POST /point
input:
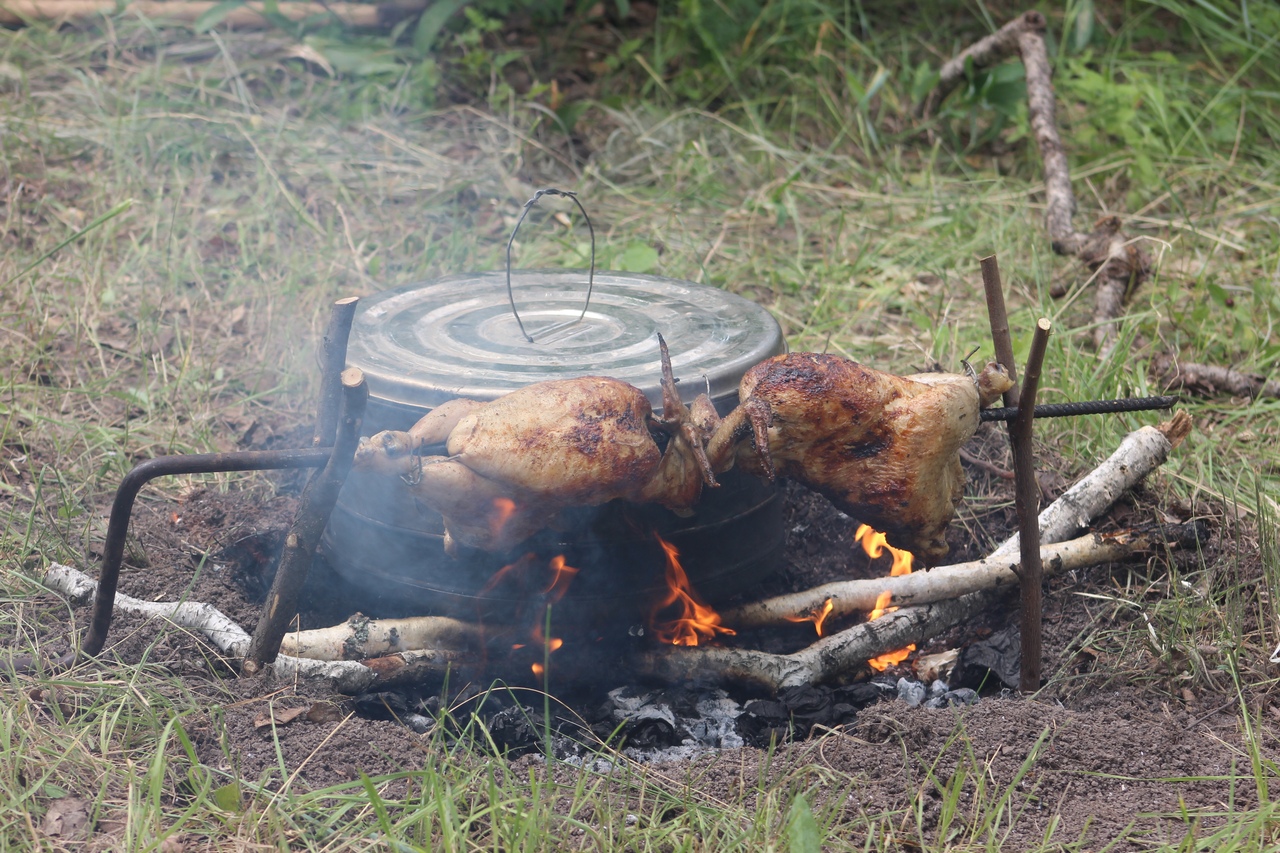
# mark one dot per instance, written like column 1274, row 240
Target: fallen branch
column 233, row 641
column 984, row 53
column 247, row 17
column 1141, row 452
column 943, row 582
column 361, row 637
column 1117, row 263
column 1210, row 379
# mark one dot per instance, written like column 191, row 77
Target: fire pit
column 621, row 558
column 422, row 345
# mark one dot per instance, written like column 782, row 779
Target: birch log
column 233, row 641
column 845, row 651
column 361, row 637
column 1141, row 452
column 822, row 661
column 937, row 584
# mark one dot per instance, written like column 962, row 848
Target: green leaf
column 1219, row 295
column 432, row 22
column 1082, row 33
column 803, row 833
column 227, row 797
column 637, row 257
column 215, row 15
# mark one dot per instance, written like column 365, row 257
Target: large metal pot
column 423, row 344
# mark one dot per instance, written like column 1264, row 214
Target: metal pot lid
column 429, row 342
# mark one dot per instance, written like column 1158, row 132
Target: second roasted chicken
column 882, row 448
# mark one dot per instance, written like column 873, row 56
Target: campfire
column 544, row 493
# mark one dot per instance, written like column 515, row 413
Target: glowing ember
column 874, row 543
column 696, row 621
column 538, row 669
column 817, row 616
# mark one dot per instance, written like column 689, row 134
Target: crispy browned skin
column 882, row 448
column 517, row 462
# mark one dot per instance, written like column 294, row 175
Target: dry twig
column 1117, row 263
column 1210, row 379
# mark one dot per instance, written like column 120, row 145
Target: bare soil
column 1088, row 752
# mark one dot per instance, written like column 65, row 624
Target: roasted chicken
column 514, row 464
column 882, row 448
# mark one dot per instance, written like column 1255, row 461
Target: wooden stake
column 1027, row 500
column 999, row 320
column 333, row 360
column 317, row 504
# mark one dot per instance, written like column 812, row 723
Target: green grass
column 179, row 210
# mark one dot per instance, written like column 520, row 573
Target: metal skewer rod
column 1085, row 407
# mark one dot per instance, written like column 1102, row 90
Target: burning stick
column 1118, row 264
column 847, row 598
column 960, row 594
column 233, row 641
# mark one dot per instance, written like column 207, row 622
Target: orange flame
column 874, row 543
column 696, row 621
column 503, row 509
column 817, row 616
column 561, row 576
column 518, row 567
